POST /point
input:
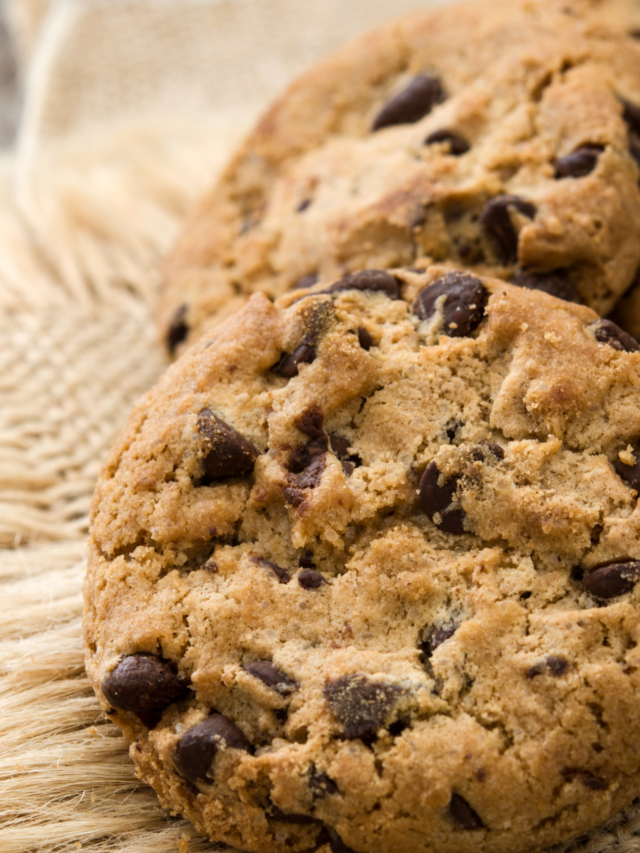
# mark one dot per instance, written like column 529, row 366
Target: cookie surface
column 498, row 135
column 364, row 571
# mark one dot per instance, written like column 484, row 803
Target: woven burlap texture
column 130, row 110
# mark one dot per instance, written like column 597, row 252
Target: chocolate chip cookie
column 502, row 136
column 364, row 570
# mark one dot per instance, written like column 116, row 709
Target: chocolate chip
column 311, row 422
column 304, row 204
column 306, row 281
column 608, row 333
column 462, row 307
column 496, row 224
column 457, row 144
column 279, row 572
column 579, row 163
column 556, row 666
column 462, row 814
column 480, row 453
column 271, row 676
column 412, row 103
column 305, row 561
column 178, row 329
column 293, row 496
column 288, row 364
column 585, row 777
column 198, row 747
column 634, row 147
column 435, row 499
column 377, row 281
column 630, row 473
column 555, row 283
column 228, row 453
column 340, row 445
column 631, row 115
column 437, row 637
column 311, row 579
column 613, row 579
column 359, row 705
column 145, row 685
column 364, row 339
column 301, row 457
column 321, row 785
column 312, row 474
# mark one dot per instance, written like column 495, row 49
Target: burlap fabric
column 130, row 109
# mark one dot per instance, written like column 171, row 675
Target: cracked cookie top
column 364, row 570
column 503, row 136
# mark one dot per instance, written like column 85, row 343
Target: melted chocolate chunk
column 630, row 473
column 613, row 579
column 457, row 144
column 228, row 453
column 178, row 329
column 579, row 163
column 271, row 676
column 364, row 339
column 411, row 104
column 311, row 422
column 437, row 637
column 608, row 333
column 435, row 499
column 496, row 224
column 312, row 474
column 556, row 666
column 145, row 685
column 462, row 306
column 311, row 579
column 293, row 496
column 555, row 283
column 321, row 785
column 279, row 572
column 462, row 814
column 197, row 748
column 359, row 705
column 340, row 446
column 288, row 364
column 377, row 281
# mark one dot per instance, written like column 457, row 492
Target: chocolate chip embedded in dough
column 630, row 473
column 377, row 281
column 364, row 339
column 178, row 329
column 271, row 676
column 360, row 706
column 496, row 224
column 321, row 785
column 457, row 144
column 607, row 332
column 311, row 476
column 462, row 297
column 555, row 665
column 437, row 637
column 278, row 571
column 412, row 103
column 289, row 363
column 555, row 283
column 145, row 685
column 480, row 453
column 311, row 422
column 306, row 281
column 228, row 453
column 306, row 561
column 311, row 579
column 613, row 579
column 435, row 499
column 462, row 814
column 579, row 163
column 197, row 748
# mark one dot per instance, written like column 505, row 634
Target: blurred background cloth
column 129, row 108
